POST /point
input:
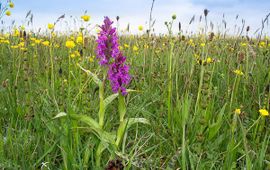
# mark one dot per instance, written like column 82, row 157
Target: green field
column 195, row 101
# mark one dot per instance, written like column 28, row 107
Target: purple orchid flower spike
column 108, row 46
column 107, row 50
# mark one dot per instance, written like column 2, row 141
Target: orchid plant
column 116, row 71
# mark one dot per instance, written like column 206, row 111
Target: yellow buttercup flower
column 50, row 26
column 243, row 44
column 191, row 43
column 238, row 72
column 126, row 45
column 16, row 33
column 79, row 40
column 5, row 41
column 262, row 44
column 86, row 18
column 37, row 41
column 8, row 13
column 23, row 49
column 202, row 44
column 237, row 111
column 14, row 46
column 70, row 44
column 46, row 43
column 135, row 48
column 264, row 112
column 72, row 55
column 146, row 46
column 209, row 60
column 21, row 44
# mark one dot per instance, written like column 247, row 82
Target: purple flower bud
column 107, row 50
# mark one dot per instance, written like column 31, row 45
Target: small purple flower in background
column 118, row 74
column 107, row 43
column 108, row 49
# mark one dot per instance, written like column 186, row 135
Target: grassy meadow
column 195, row 101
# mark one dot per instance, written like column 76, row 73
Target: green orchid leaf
column 111, row 98
column 61, row 114
column 93, row 75
column 103, row 135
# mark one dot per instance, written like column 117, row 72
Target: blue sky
column 136, row 12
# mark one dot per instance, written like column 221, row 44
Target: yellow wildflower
column 238, row 72
column 70, row 44
column 243, row 44
column 50, row 26
column 16, row 33
column 202, row 44
column 37, row 41
column 14, row 46
column 262, row 44
column 237, row 111
column 6, row 42
column 209, row 60
column 86, row 18
column 8, row 13
column 21, row 44
column 264, row 112
column 46, row 43
column 135, row 48
column 79, row 40
column 23, row 49
column 191, row 43
column 126, row 45
column 72, row 55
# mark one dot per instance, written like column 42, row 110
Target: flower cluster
column 107, row 43
column 108, row 49
column 118, row 74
